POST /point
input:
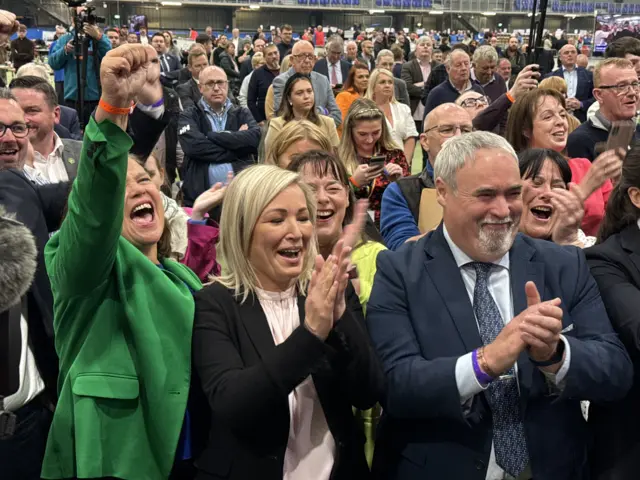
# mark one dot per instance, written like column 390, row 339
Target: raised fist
column 126, row 71
column 8, row 23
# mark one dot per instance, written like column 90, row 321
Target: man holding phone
column 617, row 91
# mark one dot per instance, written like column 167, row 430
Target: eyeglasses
column 621, row 89
column 474, row 102
column 304, row 56
column 450, row 130
column 215, row 83
column 20, row 130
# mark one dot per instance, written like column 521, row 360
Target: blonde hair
column 258, row 57
column 554, row 83
column 285, row 64
column 373, row 80
column 33, row 69
column 362, row 109
column 246, row 198
column 294, row 132
column 609, row 62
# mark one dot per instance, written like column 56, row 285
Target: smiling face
column 483, row 214
column 332, row 199
column 38, row 114
column 617, row 106
column 550, row 125
column 538, row 215
column 281, row 239
column 13, row 150
column 143, row 221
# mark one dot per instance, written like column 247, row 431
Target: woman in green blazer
column 123, row 312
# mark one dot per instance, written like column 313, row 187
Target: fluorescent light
column 529, row 14
column 171, row 4
column 373, row 12
column 436, row 12
column 116, row 16
column 254, row 7
column 570, row 16
column 488, row 14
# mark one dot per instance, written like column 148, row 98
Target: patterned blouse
column 376, row 188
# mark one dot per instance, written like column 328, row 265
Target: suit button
column 480, row 465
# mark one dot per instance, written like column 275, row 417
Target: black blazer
column 247, row 380
column 189, row 93
column 615, row 264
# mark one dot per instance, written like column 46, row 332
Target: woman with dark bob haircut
column 552, row 206
column 615, row 264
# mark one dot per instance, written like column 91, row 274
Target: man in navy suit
column 168, row 62
column 333, row 67
column 579, row 82
column 488, row 339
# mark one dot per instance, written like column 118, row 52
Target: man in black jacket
column 188, row 91
column 216, row 136
column 22, row 49
column 260, row 82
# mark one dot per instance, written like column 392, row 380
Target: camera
column 87, row 16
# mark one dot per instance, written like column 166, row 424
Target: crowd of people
column 237, row 275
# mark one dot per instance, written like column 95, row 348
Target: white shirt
column 52, row 167
column 500, row 290
column 403, row 124
column 571, row 77
column 338, row 70
column 31, row 383
column 244, row 90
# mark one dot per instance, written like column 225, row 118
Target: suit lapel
column 255, row 323
column 524, row 268
column 630, row 240
column 440, row 265
column 69, row 161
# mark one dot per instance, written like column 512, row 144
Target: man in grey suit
column 54, row 159
column 302, row 61
column 385, row 60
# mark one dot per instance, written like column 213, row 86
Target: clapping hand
column 568, row 206
column 321, row 296
column 607, row 165
column 210, row 199
column 541, row 331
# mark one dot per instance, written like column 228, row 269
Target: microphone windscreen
column 18, row 260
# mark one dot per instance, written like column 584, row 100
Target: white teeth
column 543, row 208
column 141, row 207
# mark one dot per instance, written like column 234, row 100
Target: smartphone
column 377, row 161
column 620, row 135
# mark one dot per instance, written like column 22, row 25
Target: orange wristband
column 510, row 97
column 353, row 182
column 113, row 110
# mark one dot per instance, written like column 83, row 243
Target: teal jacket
column 58, row 60
column 122, row 331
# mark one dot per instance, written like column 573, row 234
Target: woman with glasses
column 473, row 102
column 538, row 119
column 298, row 103
column 371, row 157
column 354, row 87
column 398, row 117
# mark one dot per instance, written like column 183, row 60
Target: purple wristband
column 157, row 104
column 482, row 377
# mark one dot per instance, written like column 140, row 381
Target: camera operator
column 63, row 55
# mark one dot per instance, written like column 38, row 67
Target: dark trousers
column 89, row 107
column 60, row 91
column 21, row 454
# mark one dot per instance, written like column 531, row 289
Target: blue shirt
column 217, row 171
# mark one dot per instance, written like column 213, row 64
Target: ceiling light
column 436, row 12
column 254, row 7
column 488, row 14
column 373, row 12
column 171, row 4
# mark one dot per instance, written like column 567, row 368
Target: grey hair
column 485, row 52
column 424, row 39
column 6, row 94
column 455, row 51
column 459, row 151
column 383, row 53
column 335, row 40
column 33, row 69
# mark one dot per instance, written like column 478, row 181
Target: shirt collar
column 469, row 86
column 463, row 259
column 58, row 148
column 207, row 108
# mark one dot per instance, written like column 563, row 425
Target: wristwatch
column 555, row 358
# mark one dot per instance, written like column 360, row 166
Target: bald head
column 303, row 57
column 568, row 56
column 441, row 117
column 214, row 87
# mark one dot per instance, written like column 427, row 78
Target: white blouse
column 404, row 125
column 311, row 447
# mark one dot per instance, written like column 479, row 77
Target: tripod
column 536, row 31
column 81, row 51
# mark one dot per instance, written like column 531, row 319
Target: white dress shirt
column 52, row 167
column 500, row 290
column 31, row 383
column 403, row 125
column 571, row 77
column 338, row 71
